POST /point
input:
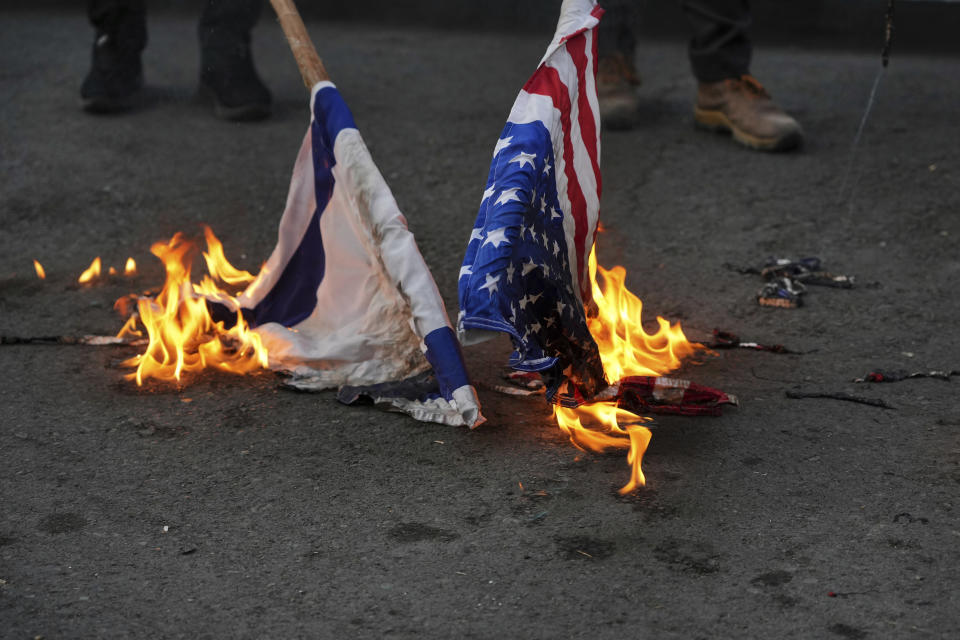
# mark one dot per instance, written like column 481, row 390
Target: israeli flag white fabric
column 525, row 272
column 346, row 300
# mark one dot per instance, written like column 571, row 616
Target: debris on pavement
column 781, row 292
column 509, row 390
column 520, row 383
column 839, row 395
column 91, row 341
column 643, row 394
column 806, row 271
column 729, row 340
column 787, row 280
column 526, row 379
column 896, row 375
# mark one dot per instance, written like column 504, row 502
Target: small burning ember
column 182, row 336
column 93, row 271
column 626, row 349
column 39, row 269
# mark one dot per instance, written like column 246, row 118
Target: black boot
column 116, row 76
column 226, row 63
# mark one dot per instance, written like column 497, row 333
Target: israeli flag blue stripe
column 444, row 355
column 294, row 296
column 331, row 115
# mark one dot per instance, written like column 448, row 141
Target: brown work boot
column 743, row 107
column 617, row 83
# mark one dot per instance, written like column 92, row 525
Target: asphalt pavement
column 233, row 508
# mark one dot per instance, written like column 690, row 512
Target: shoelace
column 750, row 84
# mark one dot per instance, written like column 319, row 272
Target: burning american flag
column 525, row 271
column 530, row 268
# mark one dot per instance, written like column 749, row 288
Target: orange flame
column 182, row 335
column 130, row 269
column 622, row 430
column 93, row 271
column 626, row 349
column 217, row 264
column 39, row 269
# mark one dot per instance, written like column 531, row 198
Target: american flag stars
column 508, row 195
column 528, row 267
column 523, row 159
column 497, row 237
column 519, row 270
column 490, row 284
column 502, row 144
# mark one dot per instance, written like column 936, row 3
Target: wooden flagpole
column 311, row 67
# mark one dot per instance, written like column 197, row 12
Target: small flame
column 217, row 264
column 112, row 271
column 622, row 430
column 93, row 271
column 182, row 335
column 39, row 269
column 626, row 349
column 130, row 269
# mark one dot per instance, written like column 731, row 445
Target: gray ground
column 292, row 516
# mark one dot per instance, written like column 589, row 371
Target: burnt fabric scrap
column 657, row 394
column 646, row 394
column 896, row 375
column 781, row 292
column 728, row 340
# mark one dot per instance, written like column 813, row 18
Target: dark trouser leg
column 719, row 46
column 615, row 32
column 226, row 62
column 617, row 78
column 123, row 21
column 115, row 75
column 225, row 27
